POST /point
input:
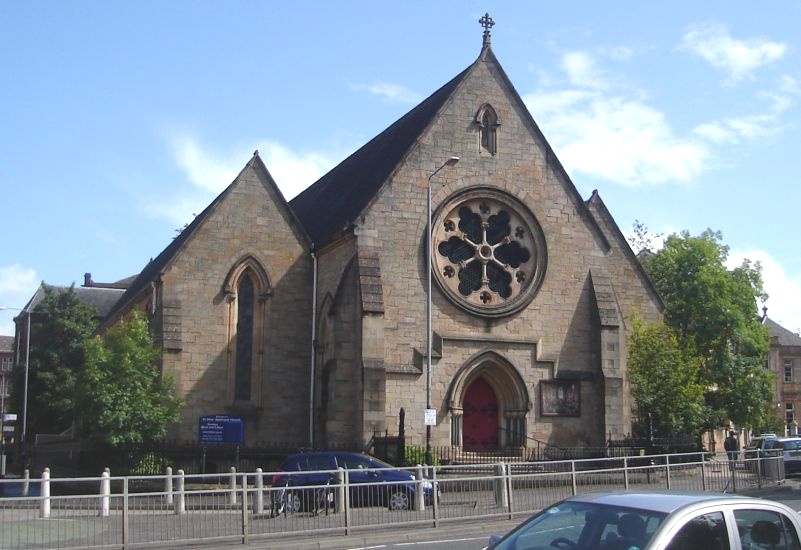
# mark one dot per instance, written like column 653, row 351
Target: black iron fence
column 75, row 458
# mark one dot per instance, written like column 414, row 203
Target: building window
column 7, row 364
column 789, row 413
column 488, row 122
column 489, row 252
column 788, row 371
column 244, row 339
column 456, row 430
column 247, row 289
column 515, row 431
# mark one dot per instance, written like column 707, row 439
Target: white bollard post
column 26, row 482
column 419, row 493
column 501, row 494
column 168, row 486
column 258, row 496
column 44, row 504
column 232, row 487
column 339, row 501
column 180, row 495
column 105, row 492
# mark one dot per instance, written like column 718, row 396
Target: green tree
column 641, row 239
column 59, row 325
column 125, row 399
column 713, row 312
column 664, row 380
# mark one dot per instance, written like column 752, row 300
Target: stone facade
column 338, row 325
column 784, row 361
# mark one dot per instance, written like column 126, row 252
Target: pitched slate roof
column 783, row 336
column 103, row 299
column 334, row 201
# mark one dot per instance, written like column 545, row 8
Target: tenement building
column 784, row 361
column 308, row 318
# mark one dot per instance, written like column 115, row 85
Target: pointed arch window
column 488, row 123
column 247, row 289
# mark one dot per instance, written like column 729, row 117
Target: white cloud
column 784, row 289
column 582, row 71
column 738, row 58
column 732, row 129
column 394, row 93
column 17, row 285
column 602, row 126
column 618, row 53
column 614, row 136
column 208, row 170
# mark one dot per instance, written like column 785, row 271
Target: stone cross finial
column 487, row 23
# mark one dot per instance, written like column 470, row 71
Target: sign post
column 220, row 429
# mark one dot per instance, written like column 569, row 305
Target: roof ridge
column 339, row 197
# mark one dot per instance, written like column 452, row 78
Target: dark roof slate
column 103, row 299
column 337, row 199
column 784, row 337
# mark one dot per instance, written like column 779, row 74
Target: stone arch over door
column 489, row 393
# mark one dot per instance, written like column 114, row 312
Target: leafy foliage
column 59, row 325
column 712, row 311
column 642, row 240
column 124, row 399
column 416, row 454
column 664, row 380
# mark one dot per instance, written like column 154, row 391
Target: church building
column 317, row 320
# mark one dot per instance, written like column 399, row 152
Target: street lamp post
column 27, row 362
column 429, row 229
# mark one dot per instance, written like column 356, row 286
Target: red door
column 480, row 417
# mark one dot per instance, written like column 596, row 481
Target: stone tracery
column 488, row 252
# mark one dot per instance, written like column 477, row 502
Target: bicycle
column 291, row 501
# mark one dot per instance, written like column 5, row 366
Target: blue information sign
column 219, row 429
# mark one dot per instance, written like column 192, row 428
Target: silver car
column 657, row 520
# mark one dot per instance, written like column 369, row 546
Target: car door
column 766, row 529
column 366, row 482
column 320, row 468
column 705, row 531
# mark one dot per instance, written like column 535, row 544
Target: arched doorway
column 488, row 404
column 480, row 416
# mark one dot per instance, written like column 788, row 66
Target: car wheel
column 294, row 502
column 399, row 499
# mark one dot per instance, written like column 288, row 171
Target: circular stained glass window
column 488, row 252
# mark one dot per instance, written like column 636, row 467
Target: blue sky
column 119, row 121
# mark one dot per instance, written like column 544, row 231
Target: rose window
column 488, row 252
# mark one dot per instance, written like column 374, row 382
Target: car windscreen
column 354, row 462
column 584, row 525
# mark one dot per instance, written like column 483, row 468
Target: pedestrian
column 732, row 446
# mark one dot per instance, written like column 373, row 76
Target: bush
column 416, row 454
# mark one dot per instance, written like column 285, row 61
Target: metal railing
column 142, row 511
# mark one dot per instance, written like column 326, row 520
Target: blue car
column 372, row 482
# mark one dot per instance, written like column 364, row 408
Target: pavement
column 375, row 537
